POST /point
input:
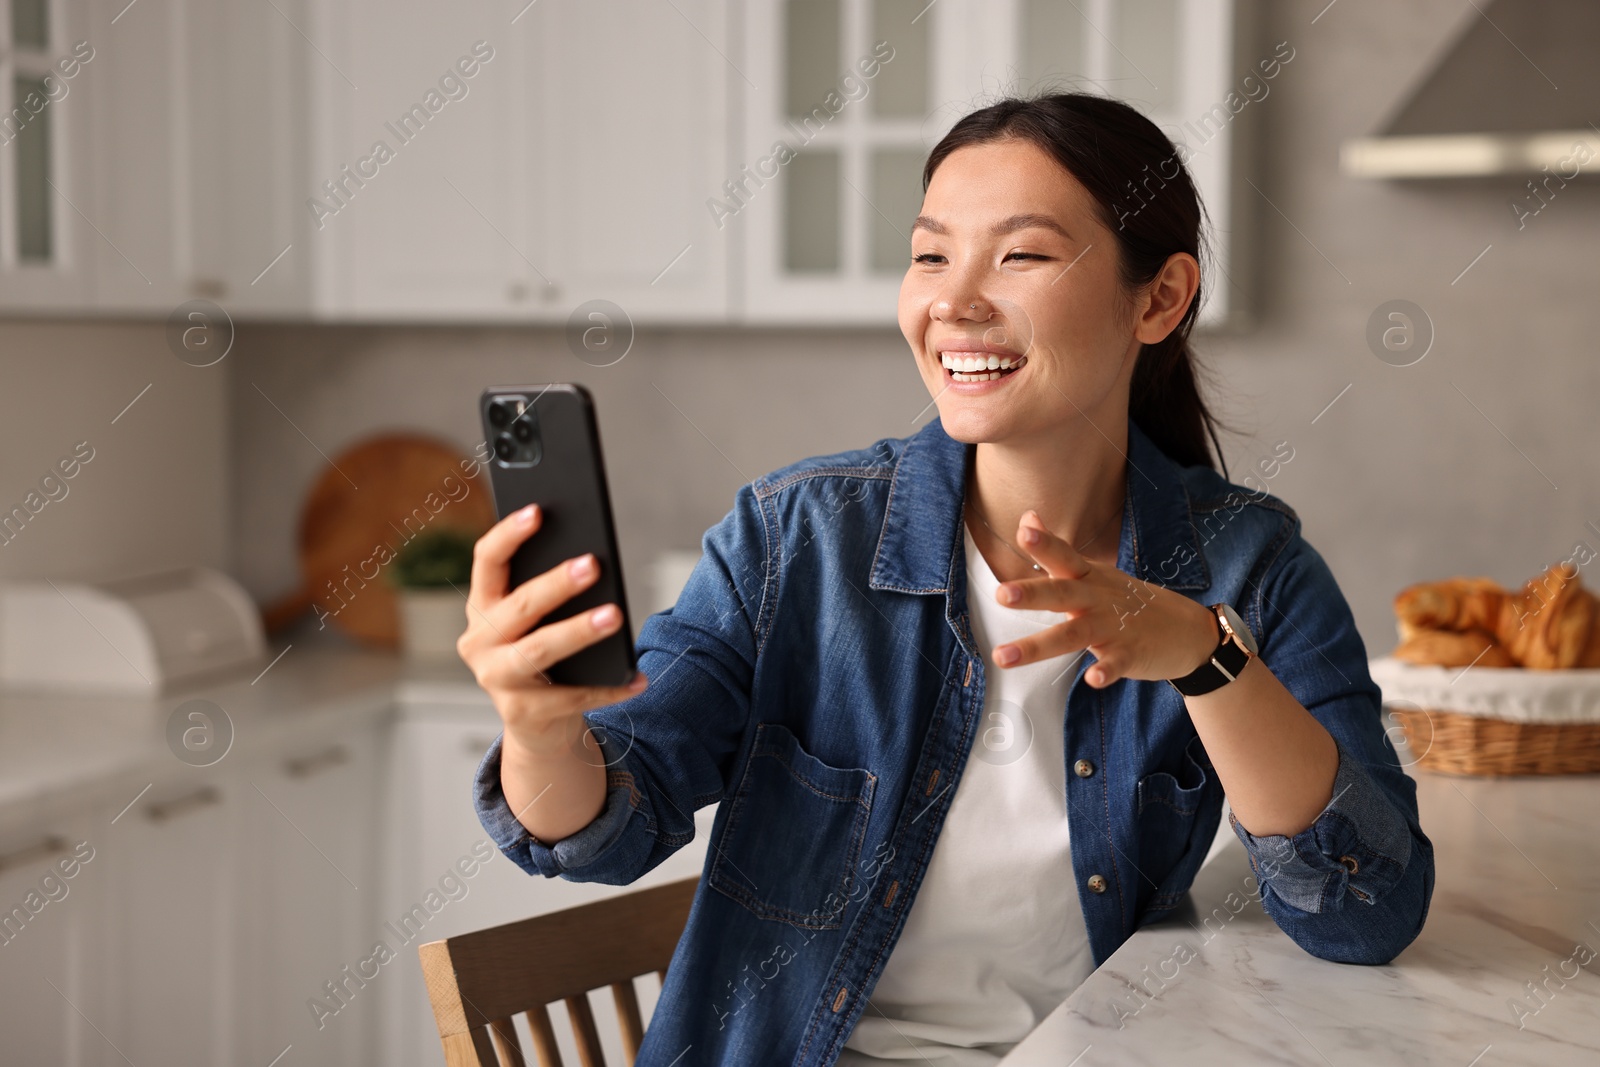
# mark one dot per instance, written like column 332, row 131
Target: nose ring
column 973, row 306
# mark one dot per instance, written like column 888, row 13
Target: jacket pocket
column 1169, row 816
column 794, row 832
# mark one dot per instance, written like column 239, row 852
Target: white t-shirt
column 995, row 939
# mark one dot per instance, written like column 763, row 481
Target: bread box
column 146, row 634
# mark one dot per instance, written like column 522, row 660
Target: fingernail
column 525, row 516
column 605, row 616
column 582, row 567
column 1006, row 655
column 1009, row 594
column 1029, row 535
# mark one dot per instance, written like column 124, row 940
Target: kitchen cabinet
column 139, row 160
column 49, row 896
column 698, row 161
column 858, row 91
column 470, row 161
column 97, row 165
column 229, row 914
column 46, row 258
column 310, row 874
column 168, row 938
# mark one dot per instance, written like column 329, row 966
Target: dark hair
column 1148, row 201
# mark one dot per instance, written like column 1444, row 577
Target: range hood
column 1516, row 92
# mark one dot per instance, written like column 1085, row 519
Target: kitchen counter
column 1516, row 901
column 60, row 750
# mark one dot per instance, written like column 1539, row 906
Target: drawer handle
column 203, row 797
column 306, row 766
column 44, row 848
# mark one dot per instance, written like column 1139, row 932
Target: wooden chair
column 480, row 980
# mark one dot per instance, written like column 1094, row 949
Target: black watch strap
column 1223, row 666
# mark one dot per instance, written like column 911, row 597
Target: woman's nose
column 952, row 309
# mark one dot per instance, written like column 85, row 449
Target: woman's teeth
column 979, row 366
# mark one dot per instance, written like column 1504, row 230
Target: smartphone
column 544, row 444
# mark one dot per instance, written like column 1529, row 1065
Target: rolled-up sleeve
column 1355, row 885
column 669, row 750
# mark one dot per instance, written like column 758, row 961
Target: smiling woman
column 972, row 732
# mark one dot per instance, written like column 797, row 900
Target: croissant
column 1446, row 648
column 1453, row 604
column 1551, row 622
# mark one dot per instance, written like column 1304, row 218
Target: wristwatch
column 1235, row 645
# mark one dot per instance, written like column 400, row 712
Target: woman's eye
column 934, row 257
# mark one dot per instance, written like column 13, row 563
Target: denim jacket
column 818, row 677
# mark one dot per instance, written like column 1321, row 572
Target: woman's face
column 1006, row 227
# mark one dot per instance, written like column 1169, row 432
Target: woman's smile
column 977, row 366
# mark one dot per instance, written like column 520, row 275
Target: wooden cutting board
column 377, row 495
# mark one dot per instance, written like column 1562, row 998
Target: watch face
column 1245, row 636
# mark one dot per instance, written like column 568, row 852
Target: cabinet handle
column 203, row 797
column 477, row 746
column 306, row 766
column 44, row 848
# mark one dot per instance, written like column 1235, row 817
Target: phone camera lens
column 500, row 414
column 505, row 447
column 523, row 430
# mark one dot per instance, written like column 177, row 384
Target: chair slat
column 470, row 1049
column 506, row 1042
column 628, row 1016
column 544, row 1037
column 590, row 1053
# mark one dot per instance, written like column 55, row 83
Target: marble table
column 1506, row 970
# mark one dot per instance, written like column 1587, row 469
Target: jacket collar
column 920, row 544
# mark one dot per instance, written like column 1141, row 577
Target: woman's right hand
column 545, row 745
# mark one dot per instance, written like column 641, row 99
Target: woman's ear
column 1168, row 296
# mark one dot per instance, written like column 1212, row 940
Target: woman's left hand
column 1135, row 629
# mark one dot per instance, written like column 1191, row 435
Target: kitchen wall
column 153, row 490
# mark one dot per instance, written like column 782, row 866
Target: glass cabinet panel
column 811, row 212
column 29, row 22
column 900, row 89
column 812, row 31
column 32, row 148
column 1051, row 45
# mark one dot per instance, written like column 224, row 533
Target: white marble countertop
column 1517, row 891
column 65, row 750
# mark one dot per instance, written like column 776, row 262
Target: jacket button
column 1083, row 768
column 1097, row 884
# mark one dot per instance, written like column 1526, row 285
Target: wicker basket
column 1505, row 721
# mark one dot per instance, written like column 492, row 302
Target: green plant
column 434, row 559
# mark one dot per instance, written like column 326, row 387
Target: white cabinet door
column 418, row 195
column 140, row 208
column 169, row 955
column 436, row 752
column 309, row 876
column 635, row 146
column 249, row 110
column 48, row 901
